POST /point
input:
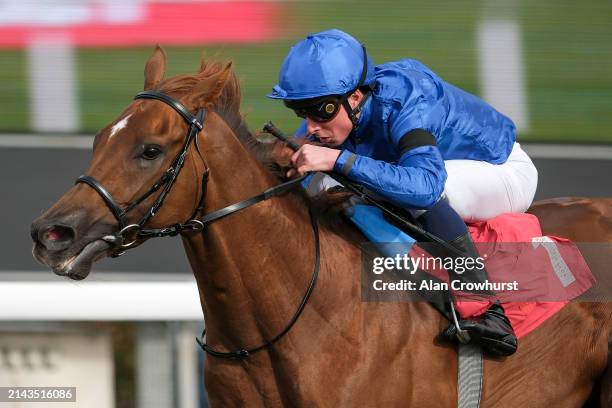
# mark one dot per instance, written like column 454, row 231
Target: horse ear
column 210, row 90
column 155, row 68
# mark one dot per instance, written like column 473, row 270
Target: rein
column 245, row 352
column 118, row 241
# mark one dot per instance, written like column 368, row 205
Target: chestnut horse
column 253, row 267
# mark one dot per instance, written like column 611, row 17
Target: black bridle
column 167, row 180
column 196, row 123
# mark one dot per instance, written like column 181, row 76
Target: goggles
column 321, row 109
column 325, row 108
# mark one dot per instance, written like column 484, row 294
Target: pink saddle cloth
column 548, row 271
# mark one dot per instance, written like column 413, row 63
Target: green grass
column 14, row 102
column 567, row 51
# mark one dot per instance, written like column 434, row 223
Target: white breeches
column 478, row 190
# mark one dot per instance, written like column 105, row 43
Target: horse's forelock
column 225, row 103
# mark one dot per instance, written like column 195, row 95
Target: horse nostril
column 56, row 237
column 59, row 234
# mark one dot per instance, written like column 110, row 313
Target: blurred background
column 553, row 57
column 69, row 67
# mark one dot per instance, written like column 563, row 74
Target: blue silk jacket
column 393, row 152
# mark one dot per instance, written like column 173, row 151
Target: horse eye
column 151, row 152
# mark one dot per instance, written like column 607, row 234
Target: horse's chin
column 77, row 266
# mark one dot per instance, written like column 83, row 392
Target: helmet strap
column 352, row 113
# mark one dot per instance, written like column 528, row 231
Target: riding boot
column 492, row 329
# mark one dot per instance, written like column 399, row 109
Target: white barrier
column 166, row 307
column 119, row 300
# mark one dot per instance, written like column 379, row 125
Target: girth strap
column 469, row 376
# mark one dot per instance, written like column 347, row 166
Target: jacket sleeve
column 416, row 181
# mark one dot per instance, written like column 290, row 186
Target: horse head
column 136, row 167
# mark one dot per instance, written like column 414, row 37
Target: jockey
column 405, row 134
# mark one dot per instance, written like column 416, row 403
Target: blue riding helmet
column 327, row 63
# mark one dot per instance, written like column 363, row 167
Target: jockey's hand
column 313, row 158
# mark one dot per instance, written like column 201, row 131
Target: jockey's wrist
column 333, row 157
column 344, row 162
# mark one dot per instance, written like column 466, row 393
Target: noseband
column 118, row 241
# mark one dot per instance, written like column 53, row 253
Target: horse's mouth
column 76, row 266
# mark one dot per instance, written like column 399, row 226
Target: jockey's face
column 335, row 132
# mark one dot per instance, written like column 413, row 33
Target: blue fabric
column 306, row 182
column 416, row 181
column 325, row 63
column 444, row 222
column 409, row 96
column 301, row 130
column 372, row 223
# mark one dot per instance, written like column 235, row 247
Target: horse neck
column 253, row 266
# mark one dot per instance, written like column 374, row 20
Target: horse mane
column 226, row 103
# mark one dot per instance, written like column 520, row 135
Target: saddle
column 549, row 271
